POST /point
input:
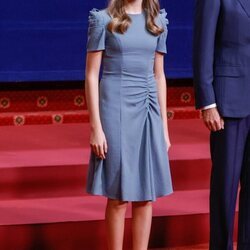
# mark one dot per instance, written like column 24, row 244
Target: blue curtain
column 44, row 40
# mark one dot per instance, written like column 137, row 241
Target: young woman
column 128, row 118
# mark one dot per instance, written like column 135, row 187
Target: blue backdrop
column 44, row 40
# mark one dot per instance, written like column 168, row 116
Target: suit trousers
column 230, row 153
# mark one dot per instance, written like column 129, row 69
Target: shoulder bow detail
column 163, row 17
column 161, row 44
column 95, row 18
column 96, row 31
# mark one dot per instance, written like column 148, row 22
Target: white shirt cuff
column 209, row 106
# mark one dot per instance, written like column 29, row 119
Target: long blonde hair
column 121, row 20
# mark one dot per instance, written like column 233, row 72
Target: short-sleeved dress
column 136, row 167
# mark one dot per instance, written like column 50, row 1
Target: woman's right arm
column 98, row 141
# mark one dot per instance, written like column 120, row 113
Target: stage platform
column 43, row 200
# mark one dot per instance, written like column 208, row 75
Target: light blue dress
column 136, row 167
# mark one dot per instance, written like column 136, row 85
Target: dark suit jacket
column 221, row 55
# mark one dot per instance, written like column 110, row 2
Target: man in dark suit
column 222, row 87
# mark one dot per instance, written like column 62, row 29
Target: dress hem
column 129, row 200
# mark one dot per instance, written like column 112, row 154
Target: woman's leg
column 141, row 224
column 115, row 219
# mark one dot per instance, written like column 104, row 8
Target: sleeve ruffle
column 162, row 39
column 96, row 31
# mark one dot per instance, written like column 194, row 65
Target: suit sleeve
column 205, row 26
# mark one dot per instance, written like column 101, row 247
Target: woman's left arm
column 162, row 92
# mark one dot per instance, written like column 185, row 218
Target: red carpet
column 69, row 106
column 52, row 160
column 43, row 203
column 73, row 99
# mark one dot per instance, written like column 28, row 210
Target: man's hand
column 212, row 119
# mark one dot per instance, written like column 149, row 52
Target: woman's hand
column 98, row 143
column 97, row 138
column 167, row 143
column 167, row 140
